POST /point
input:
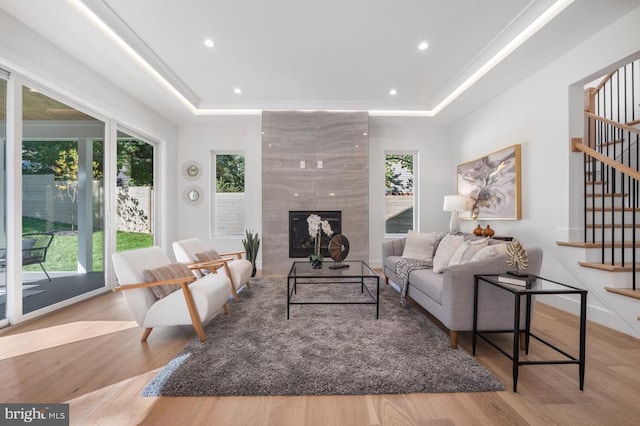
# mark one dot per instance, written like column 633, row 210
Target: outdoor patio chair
column 201, row 259
column 34, row 249
column 141, row 277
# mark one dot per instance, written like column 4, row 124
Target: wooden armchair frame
column 184, row 285
column 213, row 266
column 237, row 254
column 236, row 268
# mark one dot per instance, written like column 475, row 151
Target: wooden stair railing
column 611, row 150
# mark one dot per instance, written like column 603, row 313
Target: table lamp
column 454, row 204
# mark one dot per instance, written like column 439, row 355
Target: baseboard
column 594, row 314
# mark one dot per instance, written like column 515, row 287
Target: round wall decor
column 192, row 195
column 191, row 170
column 338, row 247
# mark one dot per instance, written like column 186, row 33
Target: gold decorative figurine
column 517, row 256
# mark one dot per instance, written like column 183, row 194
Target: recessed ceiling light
column 209, row 43
column 423, row 45
column 393, row 92
column 364, row 134
column 237, row 90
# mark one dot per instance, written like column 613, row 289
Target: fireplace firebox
column 300, row 242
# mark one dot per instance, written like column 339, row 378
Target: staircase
column 610, row 148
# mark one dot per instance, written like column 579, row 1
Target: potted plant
column 316, row 227
column 251, row 245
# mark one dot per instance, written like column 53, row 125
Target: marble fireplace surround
column 313, row 161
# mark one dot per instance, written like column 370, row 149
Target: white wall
column 536, row 114
column 240, row 134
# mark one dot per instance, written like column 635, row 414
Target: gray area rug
column 321, row 350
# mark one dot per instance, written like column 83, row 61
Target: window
column 399, row 192
column 135, row 216
column 228, row 194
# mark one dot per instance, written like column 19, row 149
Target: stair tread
column 617, row 225
column 624, row 291
column 608, row 267
column 608, row 194
column 589, row 245
column 609, row 209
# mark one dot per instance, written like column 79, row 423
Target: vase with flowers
column 316, row 227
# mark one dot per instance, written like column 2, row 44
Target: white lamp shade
column 453, row 203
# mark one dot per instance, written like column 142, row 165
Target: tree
column 43, row 157
column 398, row 173
column 39, row 157
column 66, row 178
column 229, row 173
column 136, row 157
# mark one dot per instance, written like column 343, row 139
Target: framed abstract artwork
column 492, row 184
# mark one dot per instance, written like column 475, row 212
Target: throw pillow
column 467, row 250
column 206, row 256
column 493, row 250
column 446, row 249
column 419, row 245
column 167, row 272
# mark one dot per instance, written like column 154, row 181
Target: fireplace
column 300, row 242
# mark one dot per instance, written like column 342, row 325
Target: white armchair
column 235, row 267
column 196, row 302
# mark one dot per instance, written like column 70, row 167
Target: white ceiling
column 295, row 54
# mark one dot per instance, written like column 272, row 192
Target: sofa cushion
column 467, row 250
column 391, row 262
column 490, row 251
column 167, row 272
column 426, row 282
column 446, row 249
column 419, row 245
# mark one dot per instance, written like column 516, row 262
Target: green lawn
column 63, row 253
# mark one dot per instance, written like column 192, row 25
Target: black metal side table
column 536, row 285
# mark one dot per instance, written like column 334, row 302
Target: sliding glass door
column 62, row 201
column 59, row 158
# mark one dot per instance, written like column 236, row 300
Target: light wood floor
column 90, row 356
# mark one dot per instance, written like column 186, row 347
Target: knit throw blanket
column 403, row 269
